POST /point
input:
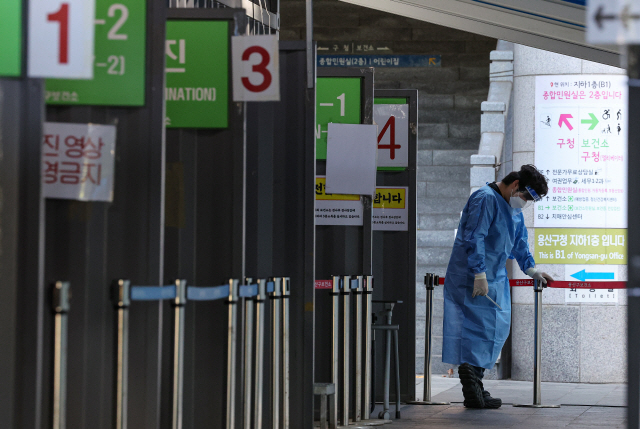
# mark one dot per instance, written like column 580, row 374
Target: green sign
column 581, row 246
column 337, row 101
column 197, row 74
column 119, row 63
column 389, row 100
column 11, row 36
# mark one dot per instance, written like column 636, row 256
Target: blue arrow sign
column 584, row 276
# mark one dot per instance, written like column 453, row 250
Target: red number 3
column 258, row 68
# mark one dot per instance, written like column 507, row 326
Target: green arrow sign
column 593, row 121
column 11, row 36
column 197, row 74
column 338, row 101
column 119, row 63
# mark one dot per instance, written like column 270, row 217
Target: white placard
column 393, row 134
column 581, row 146
column 256, row 68
column 390, row 209
column 61, row 38
column 332, row 212
column 351, row 159
column 78, row 161
column 613, row 22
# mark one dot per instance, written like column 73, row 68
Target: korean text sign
column 581, row 246
column 119, row 62
column 581, row 146
column 78, row 161
column 390, row 209
column 61, row 38
column 256, row 65
column 197, row 74
column 11, row 36
column 338, row 101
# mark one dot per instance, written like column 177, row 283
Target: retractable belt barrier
column 60, row 301
column 558, row 284
column 253, row 297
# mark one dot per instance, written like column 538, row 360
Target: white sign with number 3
column 61, row 38
column 256, row 68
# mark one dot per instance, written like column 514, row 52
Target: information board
column 580, row 246
column 119, row 61
column 197, row 74
column 336, row 209
column 338, row 100
column 11, row 36
column 581, row 146
column 390, row 209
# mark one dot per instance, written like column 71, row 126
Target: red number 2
column 62, row 16
column 258, row 68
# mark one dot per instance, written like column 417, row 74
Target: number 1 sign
column 256, row 74
column 61, row 38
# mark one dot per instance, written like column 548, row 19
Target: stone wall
column 449, row 118
column 583, row 342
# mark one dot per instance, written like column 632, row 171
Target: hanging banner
column 390, row 209
column 256, row 68
column 393, row 134
column 11, row 36
column 78, row 161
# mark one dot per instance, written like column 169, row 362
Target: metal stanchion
column 178, row 353
column 248, row 358
column 430, row 281
column 335, row 347
column 231, row 353
column 276, row 313
column 537, row 349
column 122, row 302
column 358, row 390
column 259, row 373
column 346, row 345
column 61, row 297
column 286, row 291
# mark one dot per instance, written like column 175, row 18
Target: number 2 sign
column 61, row 38
column 256, row 74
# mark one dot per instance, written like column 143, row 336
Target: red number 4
column 258, row 68
column 62, row 16
column 392, row 146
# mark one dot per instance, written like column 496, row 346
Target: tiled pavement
column 584, row 406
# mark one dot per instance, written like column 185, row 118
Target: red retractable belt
column 565, row 285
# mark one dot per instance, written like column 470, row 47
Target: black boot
column 471, row 388
column 490, row 402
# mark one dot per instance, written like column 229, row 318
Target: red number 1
column 62, row 16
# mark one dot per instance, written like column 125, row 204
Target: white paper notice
column 393, row 134
column 581, row 146
column 351, row 159
column 78, row 161
column 335, row 209
column 390, row 209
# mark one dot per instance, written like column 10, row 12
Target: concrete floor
column 584, row 406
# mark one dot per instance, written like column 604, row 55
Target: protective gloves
column 538, row 275
column 480, row 285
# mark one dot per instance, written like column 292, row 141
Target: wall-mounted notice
column 78, row 161
column 593, row 273
column 256, row 68
column 581, row 246
column 393, row 134
column 336, row 209
column 197, row 74
column 11, row 36
column 119, row 62
column 390, row 209
column 581, row 146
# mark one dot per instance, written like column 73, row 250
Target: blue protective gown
column 490, row 231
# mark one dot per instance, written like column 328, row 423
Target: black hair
column 530, row 176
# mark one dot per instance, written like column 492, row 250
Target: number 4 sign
column 61, row 38
column 393, row 134
column 256, row 75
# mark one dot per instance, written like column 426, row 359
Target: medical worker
column 491, row 230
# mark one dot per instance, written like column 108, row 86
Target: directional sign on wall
column 256, row 75
column 11, row 36
column 61, row 38
column 119, row 62
column 613, row 22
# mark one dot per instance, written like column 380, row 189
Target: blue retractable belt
column 152, row 293
column 354, row 283
column 270, row 287
column 248, row 291
column 210, row 293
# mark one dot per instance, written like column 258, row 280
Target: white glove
column 480, row 285
column 538, row 275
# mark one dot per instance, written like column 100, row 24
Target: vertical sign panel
column 197, row 74
column 11, row 36
column 61, row 38
column 393, row 134
column 256, row 68
column 119, row 62
column 338, row 100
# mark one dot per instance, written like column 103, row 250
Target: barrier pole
column 537, row 352
column 275, row 351
column 259, row 374
column 178, row 353
column 346, row 345
column 430, row 281
column 335, row 348
column 248, row 357
column 367, row 291
column 61, row 297
column 286, row 292
column 358, row 390
column 122, row 300
column 231, row 353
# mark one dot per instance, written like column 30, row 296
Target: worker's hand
column 480, row 285
column 539, row 275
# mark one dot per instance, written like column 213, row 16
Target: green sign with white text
column 11, row 36
column 197, row 74
column 119, row 63
column 337, row 101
